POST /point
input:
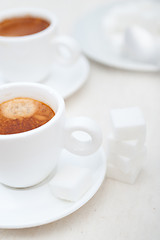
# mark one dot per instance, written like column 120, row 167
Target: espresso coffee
column 22, row 26
column 23, row 114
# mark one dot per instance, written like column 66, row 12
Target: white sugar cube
column 125, row 148
column 115, row 173
column 122, row 163
column 128, row 124
column 71, row 182
column 125, row 164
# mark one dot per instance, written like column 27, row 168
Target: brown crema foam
column 23, row 114
column 22, row 26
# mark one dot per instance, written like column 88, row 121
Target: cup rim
column 39, row 12
column 42, row 128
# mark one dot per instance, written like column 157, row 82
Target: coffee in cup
column 22, row 26
column 23, row 114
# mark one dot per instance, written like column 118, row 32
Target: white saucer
column 67, row 79
column 37, row 206
column 90, row 35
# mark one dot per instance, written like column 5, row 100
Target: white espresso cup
column 27, row 158
column 31, row 57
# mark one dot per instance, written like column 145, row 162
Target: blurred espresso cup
column 30, row 45
column 34, row 131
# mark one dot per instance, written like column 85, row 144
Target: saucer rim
column 116, row 62
column 84, row 64
column 83, row 80
column 75, row 206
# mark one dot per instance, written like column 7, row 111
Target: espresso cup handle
column 66, row 50
column 89, row 129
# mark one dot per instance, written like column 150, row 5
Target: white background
column 118, row 211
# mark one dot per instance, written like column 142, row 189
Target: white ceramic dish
column 89, row 33
column 67, row 79
column 37, row 206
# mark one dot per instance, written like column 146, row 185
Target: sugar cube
column 128, row 123
column 115, row 173
column 125, row 148
column 125, row 164
column 71, row 182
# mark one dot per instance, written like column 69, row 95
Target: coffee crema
column 22, row 26
column 19, row 115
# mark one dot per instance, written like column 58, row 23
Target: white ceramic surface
column 89, row 33
column 30, row 57
column 67, row 79
column 27, row 158
column 37, row 206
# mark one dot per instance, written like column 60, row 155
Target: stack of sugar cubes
column 126, row 148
